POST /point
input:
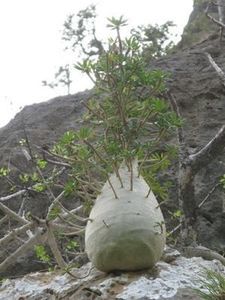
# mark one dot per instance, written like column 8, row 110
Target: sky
column 32, row 49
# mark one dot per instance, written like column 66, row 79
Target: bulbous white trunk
column 127, row 233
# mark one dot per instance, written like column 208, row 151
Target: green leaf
column 55, row 211
column 70, row 187
column 85, row 133
column 42, row 163
column 39, row 187
column 24, row 177
column 34, row 177
column 42, row 254
column 72, row 245
column 4, row 172
column 115, row 23
column 68, row 137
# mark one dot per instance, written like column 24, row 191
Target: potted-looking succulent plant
column 126, row 228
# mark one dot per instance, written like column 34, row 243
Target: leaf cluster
column 212, row 286
column 127, row 117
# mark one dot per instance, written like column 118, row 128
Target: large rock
column 172, row 281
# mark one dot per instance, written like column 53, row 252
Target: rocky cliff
column 199, row 27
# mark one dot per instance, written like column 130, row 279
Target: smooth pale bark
column 127, row 233
column 221, row 10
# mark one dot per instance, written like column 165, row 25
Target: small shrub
column 213, row 286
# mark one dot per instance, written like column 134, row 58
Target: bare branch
column 47, row 151
column 22, row 249
column 54, row 248
column 22, row 207
column 217, row 22
column 5, row 218
column 208, row 195
column 58, row 163
column 10, row 236
column 218, row 70
column 71, row 223
column 19, row 193
column 176, row 109
column 74, row 233
column 54, row 203
column 208, row 153
column 12, row 214
column 72, row 213
column 66, row 229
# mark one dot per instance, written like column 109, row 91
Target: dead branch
column 217, row 22
column 54, row 247
column 12, row 214
column 75, row 233
column 66, row 228
column 71, row 214
column 54, row 203
column 10, row 236
column 176, row 109
column 39, row 235
column 22, row 206
column 70, row 223
column 19, row 193
column 218, row 70
column 209, row 195
column 208, row 153
column 58, row 163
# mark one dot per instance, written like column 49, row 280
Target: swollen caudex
column 127, row 232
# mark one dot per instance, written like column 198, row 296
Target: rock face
column 199, row 27
column 173, row 281
column 201, row 99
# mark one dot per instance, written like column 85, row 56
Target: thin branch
column 149, row 191
column 54, row 247
column 5, row 218
column 19, row 193
column 64, row 228
column 74, row 233
column 214, row 148
column 176, row 109
column 208, row 195
column 58, row 163
column 217, row 22
column 55, row 202
column 45, row 182
column 131, row 175
column 73, row 212
column 47, row 151
column 71, row 223
column 110, row 183
column 10, row 236
column 12, row 214
column 70, row 214
column 218, row 70
column 22, row 249
column 22, row 206
column 174, row 229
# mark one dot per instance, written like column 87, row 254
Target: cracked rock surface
column 174, row 281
